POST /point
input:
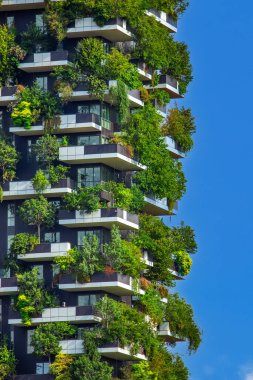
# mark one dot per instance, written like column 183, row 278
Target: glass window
column 88, row 300
column 40, row 271
column 10, row 21
column 42, row 368
column 52, row 237
column 29, row 150
column 9, row 241
column 82, row 235
column 1, row 119
column 12, row 334
column 89, row 108
column 11, row 215
column 88, row 176
column 42, row 82
column 40, row 22
column 29, row 340
column 89, row 140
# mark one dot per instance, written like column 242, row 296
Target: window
column 9, row 241
column 42, row 368
column 89, row 140
column 88, row 300
column 1, row 119
column 89, row 108
column 11, row 215
column 12, row 334
column 88, row 176
column 10, row 21
column 29, row 151
column 40, row 271
column 29, row 340
column 40, row 22
column 42, row 82
column 82, row 234
column 52, row 237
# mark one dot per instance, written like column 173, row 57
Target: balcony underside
column 15, row 5
column 113, row 33
column 41, row 66
column 114, row 160
column 114, row 287
column 107, row 223
column 38, row 130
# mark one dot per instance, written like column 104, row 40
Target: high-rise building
column 90, row 160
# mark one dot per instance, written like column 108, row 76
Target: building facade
column 88, row 128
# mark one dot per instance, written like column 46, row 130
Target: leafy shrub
column 183, row 262
column 86, row 200
column 22, row 115
column 57, row 173
column 40, row 182
column 180, row 125
column 180, row 316
column 7, row 361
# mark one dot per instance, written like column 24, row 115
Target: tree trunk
column 38, row 232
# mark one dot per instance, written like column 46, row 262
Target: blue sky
column 218, row 202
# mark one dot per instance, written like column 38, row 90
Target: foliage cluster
column 32, row 297
column 180, row 125
column 46, row 338
column 33, row 104
column 180, row 315
column 8, row 160
column 7, row 361
column 170, row 247
column 11, row 55
column 38, row 212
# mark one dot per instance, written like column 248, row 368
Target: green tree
column 21, row 244
column 46, row 150
column 40, row 182
column 7, row 362
column 46, row 338
column 37, row 212
column 85, row 199
column 8, row 161
column 61, row 367
column 11, row 54
column 180, row 315
column 83, row 261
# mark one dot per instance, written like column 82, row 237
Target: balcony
column 15, row 5
column 24, row 189
column 81, row 93
column 73, row 314
column 164, row 19
column 113, row 30
column 175, row 274
column 173, row 147
column 46, row 252
column 143, row 69
column 41, row 62
column 113, row 155
column 156, row 207
column 165, row 333
column 8, row 286
column 105, row 217
column 34, row 377
column 111, row 350
column 7, row 95
column 71, row 124
column 168, row 84
column 115, row 283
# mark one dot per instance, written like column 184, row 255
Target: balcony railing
column 110, row 350
column 71, row 124
column 73, row 314
column 8, row 286
column 103, row 217
column 114, row 30
column 46, row 252
column 114, row 283
column 44, row 61
column 164, row 19
column 24, row 189
column 114, row 155
column 7, row 94
column 174, row 147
